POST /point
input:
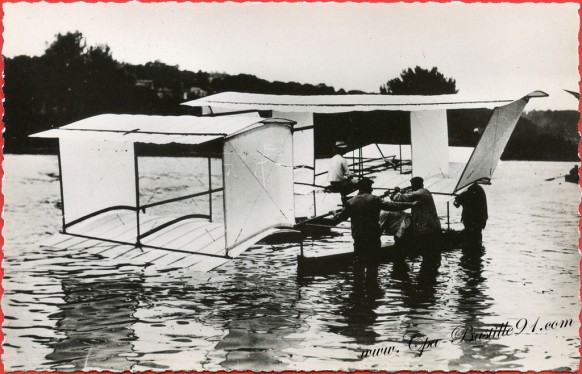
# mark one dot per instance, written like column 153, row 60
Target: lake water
column 73, row 311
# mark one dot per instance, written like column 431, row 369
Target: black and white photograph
column 290, row 187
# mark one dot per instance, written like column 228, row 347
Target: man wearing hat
column 364, row 211
column 339, row 175
column 426, row 226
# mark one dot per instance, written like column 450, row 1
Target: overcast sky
column 489, row 49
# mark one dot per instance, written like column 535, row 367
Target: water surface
column 68, row 310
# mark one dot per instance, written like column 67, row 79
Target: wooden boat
column 326, row 263
column 572, row 178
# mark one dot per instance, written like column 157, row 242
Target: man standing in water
column 474, row 216
column 339, row 175
column 426, row 226
column 364, row 211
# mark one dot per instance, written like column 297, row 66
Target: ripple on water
column 76, row 311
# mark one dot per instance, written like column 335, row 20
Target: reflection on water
column 260, row 315
column 357, row 310
column 472, row 305
column 96, row 318
column 420, row 292
column 71, row 311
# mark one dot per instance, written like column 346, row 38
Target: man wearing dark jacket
column 364, row 211
column 426, row 225
column 474, row 216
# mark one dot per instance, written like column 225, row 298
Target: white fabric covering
column 486, row 155
column 258, row 182
column 303, row 155
column 430, row 143
column 129, row 128
column 346, row 103
column 96, row 175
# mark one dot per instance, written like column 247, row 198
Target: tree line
column 72, row 81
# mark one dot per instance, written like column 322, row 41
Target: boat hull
column 572, row 178
column 326, row 264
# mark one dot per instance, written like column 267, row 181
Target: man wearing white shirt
column 339, row 175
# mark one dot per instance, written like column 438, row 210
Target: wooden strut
column 317, row 217
column 170, row 223
column 327, row 226
column 138, row 234
column 98, row 212
column 142, row 207
column 448, row 217
column 61, row 188
column 314, row 179
column 433, row 193
column 400, row 150
column 210, row 189
column 311, row 185
column 224, row 197
column 138, row 131
column 358, row 163
column 162, row 202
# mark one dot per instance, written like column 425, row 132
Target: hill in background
column 72, row 81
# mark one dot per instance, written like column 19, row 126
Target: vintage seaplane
column 445, row 170
column 260, row 177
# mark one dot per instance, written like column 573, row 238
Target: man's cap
column 341, row 144
column 416, row 181
column 365, row 182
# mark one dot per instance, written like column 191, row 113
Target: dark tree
column 69, row 82
column 420, row 82
column 67, row 49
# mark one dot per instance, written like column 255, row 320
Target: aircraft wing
column 349, row 103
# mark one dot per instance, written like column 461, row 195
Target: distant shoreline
column 48, row 153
